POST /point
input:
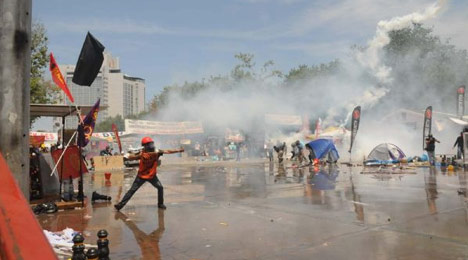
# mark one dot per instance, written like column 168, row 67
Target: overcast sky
column 168, row 42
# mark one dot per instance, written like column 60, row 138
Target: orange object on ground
column 20, row 234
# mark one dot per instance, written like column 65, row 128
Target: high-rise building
column 121, row 94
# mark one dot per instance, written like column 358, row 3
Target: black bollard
column 92, row 254
column 78, row 247
column 103, row 245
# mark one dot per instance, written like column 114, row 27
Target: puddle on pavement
column 208, row 205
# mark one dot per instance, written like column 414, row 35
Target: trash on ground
column 62, row 241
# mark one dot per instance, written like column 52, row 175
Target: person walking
column 299, row 151
column 270, row 150
column 293, row 151
column 149, row 160
column 459, row 143
column 280, row 150
column 430, row 148
column 238, row 151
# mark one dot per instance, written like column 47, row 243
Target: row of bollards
column 102, row 253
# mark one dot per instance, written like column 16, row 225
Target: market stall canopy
column 163, row 127
column 56, row 110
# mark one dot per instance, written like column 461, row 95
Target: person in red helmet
column 147, row 171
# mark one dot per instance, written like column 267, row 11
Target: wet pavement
column 263, row 211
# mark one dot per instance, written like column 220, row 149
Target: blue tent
column 321, row 148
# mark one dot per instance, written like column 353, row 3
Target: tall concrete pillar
column 15, row 64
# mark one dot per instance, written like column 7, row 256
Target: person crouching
column 147, row 171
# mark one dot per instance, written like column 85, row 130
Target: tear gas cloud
column 363, row 78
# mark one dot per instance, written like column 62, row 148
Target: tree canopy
column 41, row 91
column 422, row 66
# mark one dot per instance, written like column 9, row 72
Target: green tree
column 242, row 73
column 244, row 70
column 41, row 91
column 425, row 67
column 106, row 125
column 307, row 73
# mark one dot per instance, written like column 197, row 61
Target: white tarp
column 163, row 127
column 277, row 119
column 62, row 241
column 458, row 121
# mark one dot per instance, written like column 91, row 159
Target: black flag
column 427, row 125
column 355, row 118
column 461, row 101
column 89, row 62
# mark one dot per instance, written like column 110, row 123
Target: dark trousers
column 137, row 184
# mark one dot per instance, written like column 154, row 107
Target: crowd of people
column 298, row 152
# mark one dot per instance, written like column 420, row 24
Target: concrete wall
column 15, row 65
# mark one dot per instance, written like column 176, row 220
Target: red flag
column 71, row 162
column 116, row 132
column 58, row 78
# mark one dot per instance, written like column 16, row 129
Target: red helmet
column 146, row 140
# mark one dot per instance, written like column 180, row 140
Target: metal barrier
column 21, row 236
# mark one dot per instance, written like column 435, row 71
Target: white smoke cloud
column 371, row 58
column 362, row 80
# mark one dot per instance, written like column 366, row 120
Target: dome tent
column 385, row 153
column 323, row 149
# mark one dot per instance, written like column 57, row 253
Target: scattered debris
column 62, row 241
column 97, row 196
column 223, row 224
column 48, row 208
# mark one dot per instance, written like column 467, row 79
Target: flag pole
column 80, row 186
column 61, row 177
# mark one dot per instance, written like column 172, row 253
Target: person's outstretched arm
column 134, row 157
column 181, row 150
